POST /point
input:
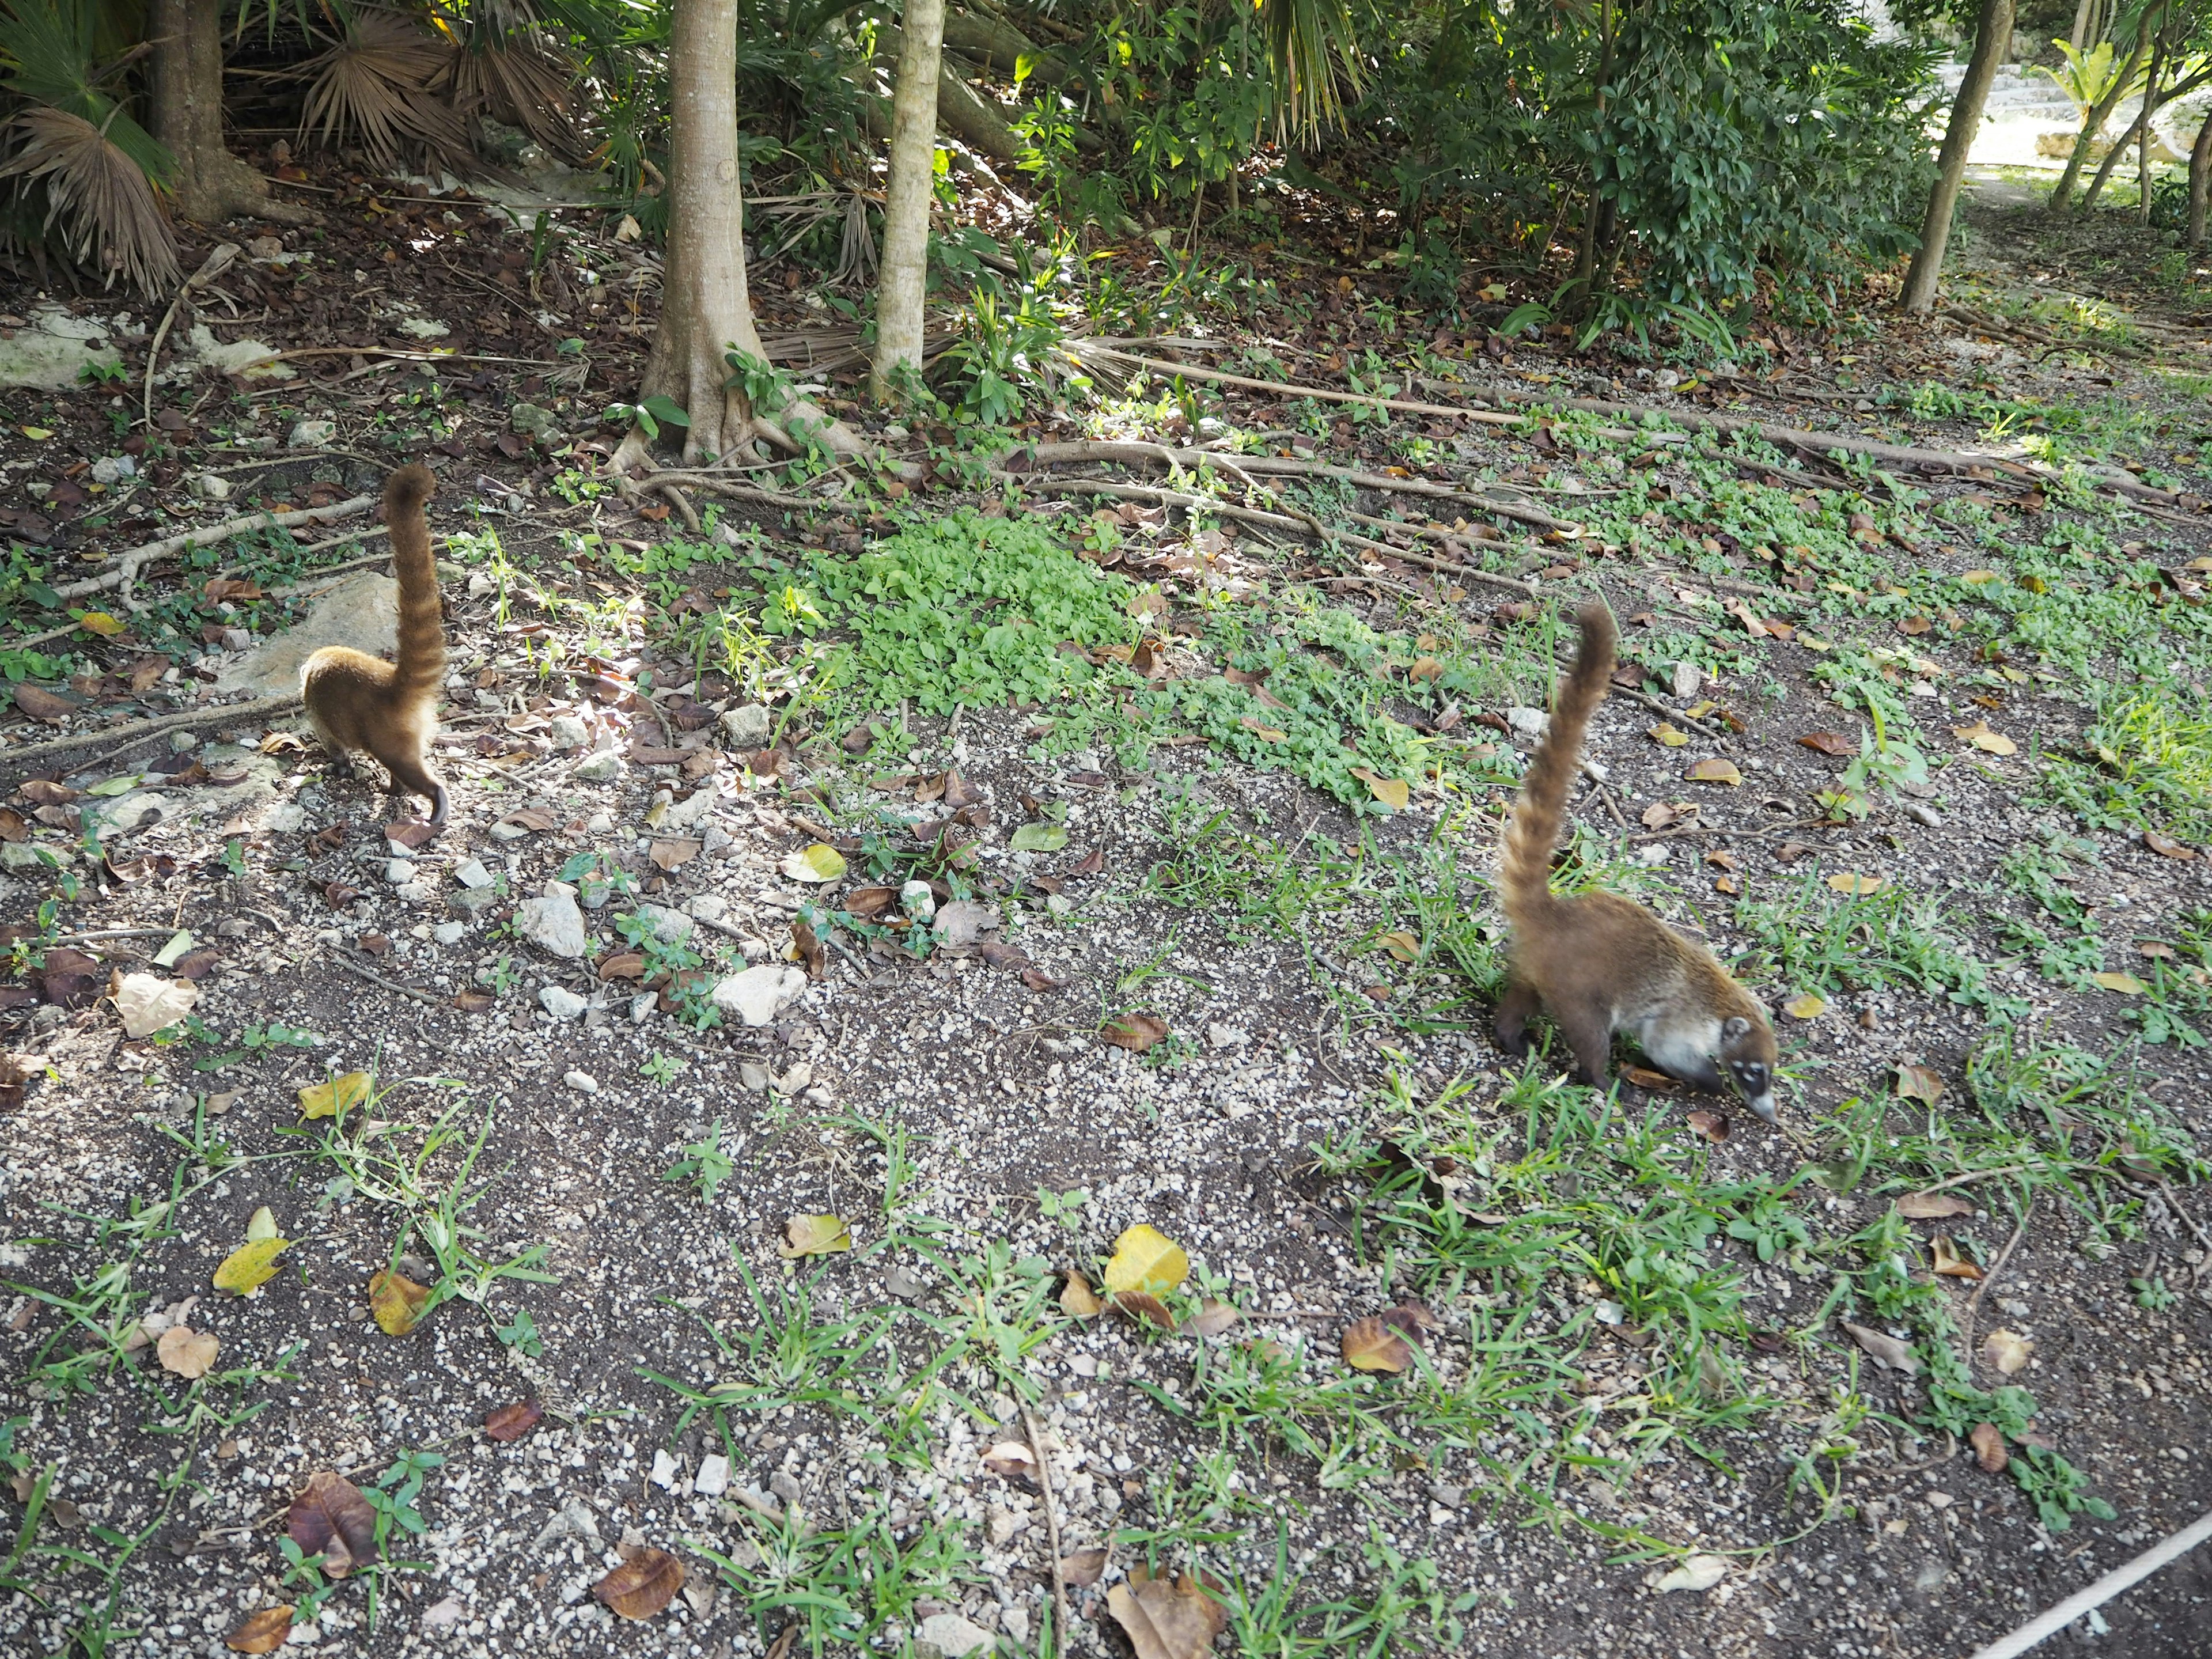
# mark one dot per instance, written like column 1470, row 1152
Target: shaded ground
column 1638, row 1364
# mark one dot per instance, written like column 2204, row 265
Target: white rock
column 396, row 870
column 600, row 824
column 747, row 725
column 561, row 1003
column 115, row 469
column 567, row 732
column 709, row 906
column 642, row 1006
column 663, row 1469
column 311, row 434
column 1688, row 679
column 756, row 995
column 715, row 840
column 916, row 902
column 286, row 817
column 948, row 1636
column 554, row 924
column 582, row 1082
column 450, row 933
column 685, row 814
column 1219, row 1035
column 211, row 487
column 471, row 872
column 669, row 927
column 504, row 831
column 713, row 1477
column 419, row 890
column 752, row 1075
column 1528, row 722
column 1059, row 904
column 602, row 767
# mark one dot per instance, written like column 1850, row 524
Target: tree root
column 134, row 732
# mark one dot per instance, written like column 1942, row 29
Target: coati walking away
column 359, row 702
column 1598, row 962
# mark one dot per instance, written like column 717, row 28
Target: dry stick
column 219, row 260
column 720, row 486
column 135, row 559
column 1974, row 1303
column 1051, row 1530
column 344, row 959
column 2052, row 1621
column 1284, row 389
column 139, row 731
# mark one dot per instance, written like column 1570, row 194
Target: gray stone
column 669, row 927
column 948, row 1636
column 115, row 469
column 709, row 906
column 582, row 1082
column 473, row 901
column 602, row 767
column 1687, row 678
column 530, row 420
column 107, row 818
column 19, row 855
column 566, row 731
column 471, row 872
column 503, row 831
column 752, row 1075
column 562, row 1004
column 747, row 725
column 553, row 924
column 396, row 870
column 685, row 814
column 184, row 742
column 756, row 995
column 211, row 487
column 360, row 610
column 311, row 434
column 916, row 902
column 643, row 1006
column 286, row 817
column 450, row 933
column 1528, row 722
column 592, row 892
column 55, row 350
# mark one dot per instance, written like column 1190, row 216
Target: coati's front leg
column 1514, row 1010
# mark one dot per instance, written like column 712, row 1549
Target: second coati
column 388, row 710
column 1599, row 964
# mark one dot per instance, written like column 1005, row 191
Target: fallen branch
column 2050, row 1622
column 1060, row 1632
column 134, row 732
column 134, row 560
column 345, row 959
column 220, row 260
column 1284, row 389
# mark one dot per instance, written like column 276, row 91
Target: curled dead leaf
column 1166, row 1618
column 1013, row 1460
column 1715, row 770
column 1805, row 1006
column 336, row 1097
column 642, row 1586
column 187, row 1353
column 1078, row 1300
column 1949, row 1262
column 1085, row 1568
column 1856, row 885
column 1989, row 1444
column 1711, row 1125
column 1141, row 1308
column 262, row 1631
column 332, row 1519
column 505, row 1423
column 1885, row 1350
column 1833, row 743
column 1918, row 1083
column 1372, row 1345
column 2007, row 1353
column 397, row 1302
column 2166, row 846
column 814, row 1235
column 1212, row 1318
column 1932, row 1206
column 1135, row 1032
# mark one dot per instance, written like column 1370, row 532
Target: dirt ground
column 770, row 1247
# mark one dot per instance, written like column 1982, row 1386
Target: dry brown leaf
column 186, row 1352
column 642, row 1586
column 673, row 855
column 260, row 1632
column 2166, row 846
column 1885, row 1350
column 1932, row 1206
column 1135, row 1032
column 1167, row 1619
column 1949, row 1262
column 1212, row 1318
column 1372, row 1345
column 1829, row 742
column 2007, row 1353
column 1141, row 1308
column 505, row 1423
column 1715, row 770
column 1085, row 1568
column 1988, row 1445
column 1856, row 885
column 41, row 704
column 397, row 1302
column 409, row 833
column 1918, row 1083
column 1078, row 1300
column 1711, row 1125
column 1013, row 1459
column 332, row 1519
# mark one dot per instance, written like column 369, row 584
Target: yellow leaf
column 1805, row 1006
column 814, row 1235
column 819, row 863
column 335, row 1098
column 1856, row 885
column 1403, row 947
column 1667, row 736
column 1982, row 738
column 37, row 434
column 1146, row 1260
column 1393, row 793
column 250, row 1266
column 1715, row 771
column 397, row 1302
column 1812, row 644
column 1976, row 578
column 1699, row 709
column 1425, row 668
column 262, row 1225
column 2126, row 984
column 1370, row 1344
column 100, row 623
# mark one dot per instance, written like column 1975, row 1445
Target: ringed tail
column 1525, row 869
column 419, row 664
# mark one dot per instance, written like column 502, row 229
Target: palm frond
column 97, row 195
column 48, row 55
column 373, row 88
column 1313, row 57
column 521, row 82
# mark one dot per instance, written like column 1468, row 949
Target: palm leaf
column 1313, row 55
column 98, row 196
column 372, row 87
column 521, row 83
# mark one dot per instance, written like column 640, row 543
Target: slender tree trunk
column 2200, row 182
column 1992, row 35
column 210, row 184
column 900, row 288
column 2063, row 191
column 705, row 309
column 2136, row 132
column 2084, row 15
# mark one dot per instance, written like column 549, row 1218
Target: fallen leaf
column 1698, row 1572
column 1669, row 736
column 1711, row 1125
column 1038, row 838
column 1403, row 947
column 2007, row 1353
column 1829, row 742
column 1979, row 735
column 642, row 1586
column 332, row 1519
column 41, row 704
column 1146, row 1259
column 1212, row 1318
column 1372, row 1345
column 820, row 862
column 1167, row 1619
column 1977, row 578
column 1393, row 793
column 335, row 1098
column 2126, row 984
column 410, row 833
column 100, row 623
column 1918, row 1083
column 2166, row 846
column 1078, row 1300
column 1856, row 885
column 1948, row 1261
column 473, row 1002
column 1932, row 1206
column 261, row 1225
column 505, row 1423
column 1085, row 1568
column 260, row 1632
column 622, row 964
column 397, row 1302
column 1141, row 1308
column 1013, row 1459
column 187, row 1353
column 814, row 1235
column 1135, row 1032
column 1805, row 1005
column 1715, row 771
column 675, row 855
column 250, row 1266
column 529, row 817
column 1987, row 1441
column 1885, row 1350
column 153, row 1002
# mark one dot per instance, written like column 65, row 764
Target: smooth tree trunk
column 2200, row 182
column 2138, row 135
column 2063, row 191
column 705, row 308
column 1992, row 35
column 209, row 184
column 902, row 287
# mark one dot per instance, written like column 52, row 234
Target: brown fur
column 1599, row 964
column 357, row 703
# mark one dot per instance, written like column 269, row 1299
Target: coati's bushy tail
column 419, row 664
column 1525, row 869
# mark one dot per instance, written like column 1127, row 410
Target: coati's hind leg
column 412, row 776
column 1591, row 1038
column 1514, row 1009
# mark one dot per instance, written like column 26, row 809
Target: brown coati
column 1599, row 964
column 359, row 702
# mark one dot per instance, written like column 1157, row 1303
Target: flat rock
column 55, row 349
column 758, row 995
column 553, row 924
column 311, row 434
column 669, row 927
column 602, row 767
column 948, row 1636
column 747, row 725
column 360, row 609
column 561, row 1003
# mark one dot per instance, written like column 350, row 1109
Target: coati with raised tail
column 1599, row 964
column 359, row 702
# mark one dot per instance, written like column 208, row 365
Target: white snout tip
column 1762, row 1105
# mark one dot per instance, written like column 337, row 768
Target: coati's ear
column 1734, row 1028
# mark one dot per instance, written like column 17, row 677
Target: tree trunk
column 2138, row 132
column 1000, row 46
column 2063, row 191
column 2084, row 15
column 2200, row 182
column 968, row 117
column 1992, row 35
column 905, row 266
column 210, row 184
column 705, row 308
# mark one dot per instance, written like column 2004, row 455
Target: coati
column 1599, row 964
column 359, row 702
